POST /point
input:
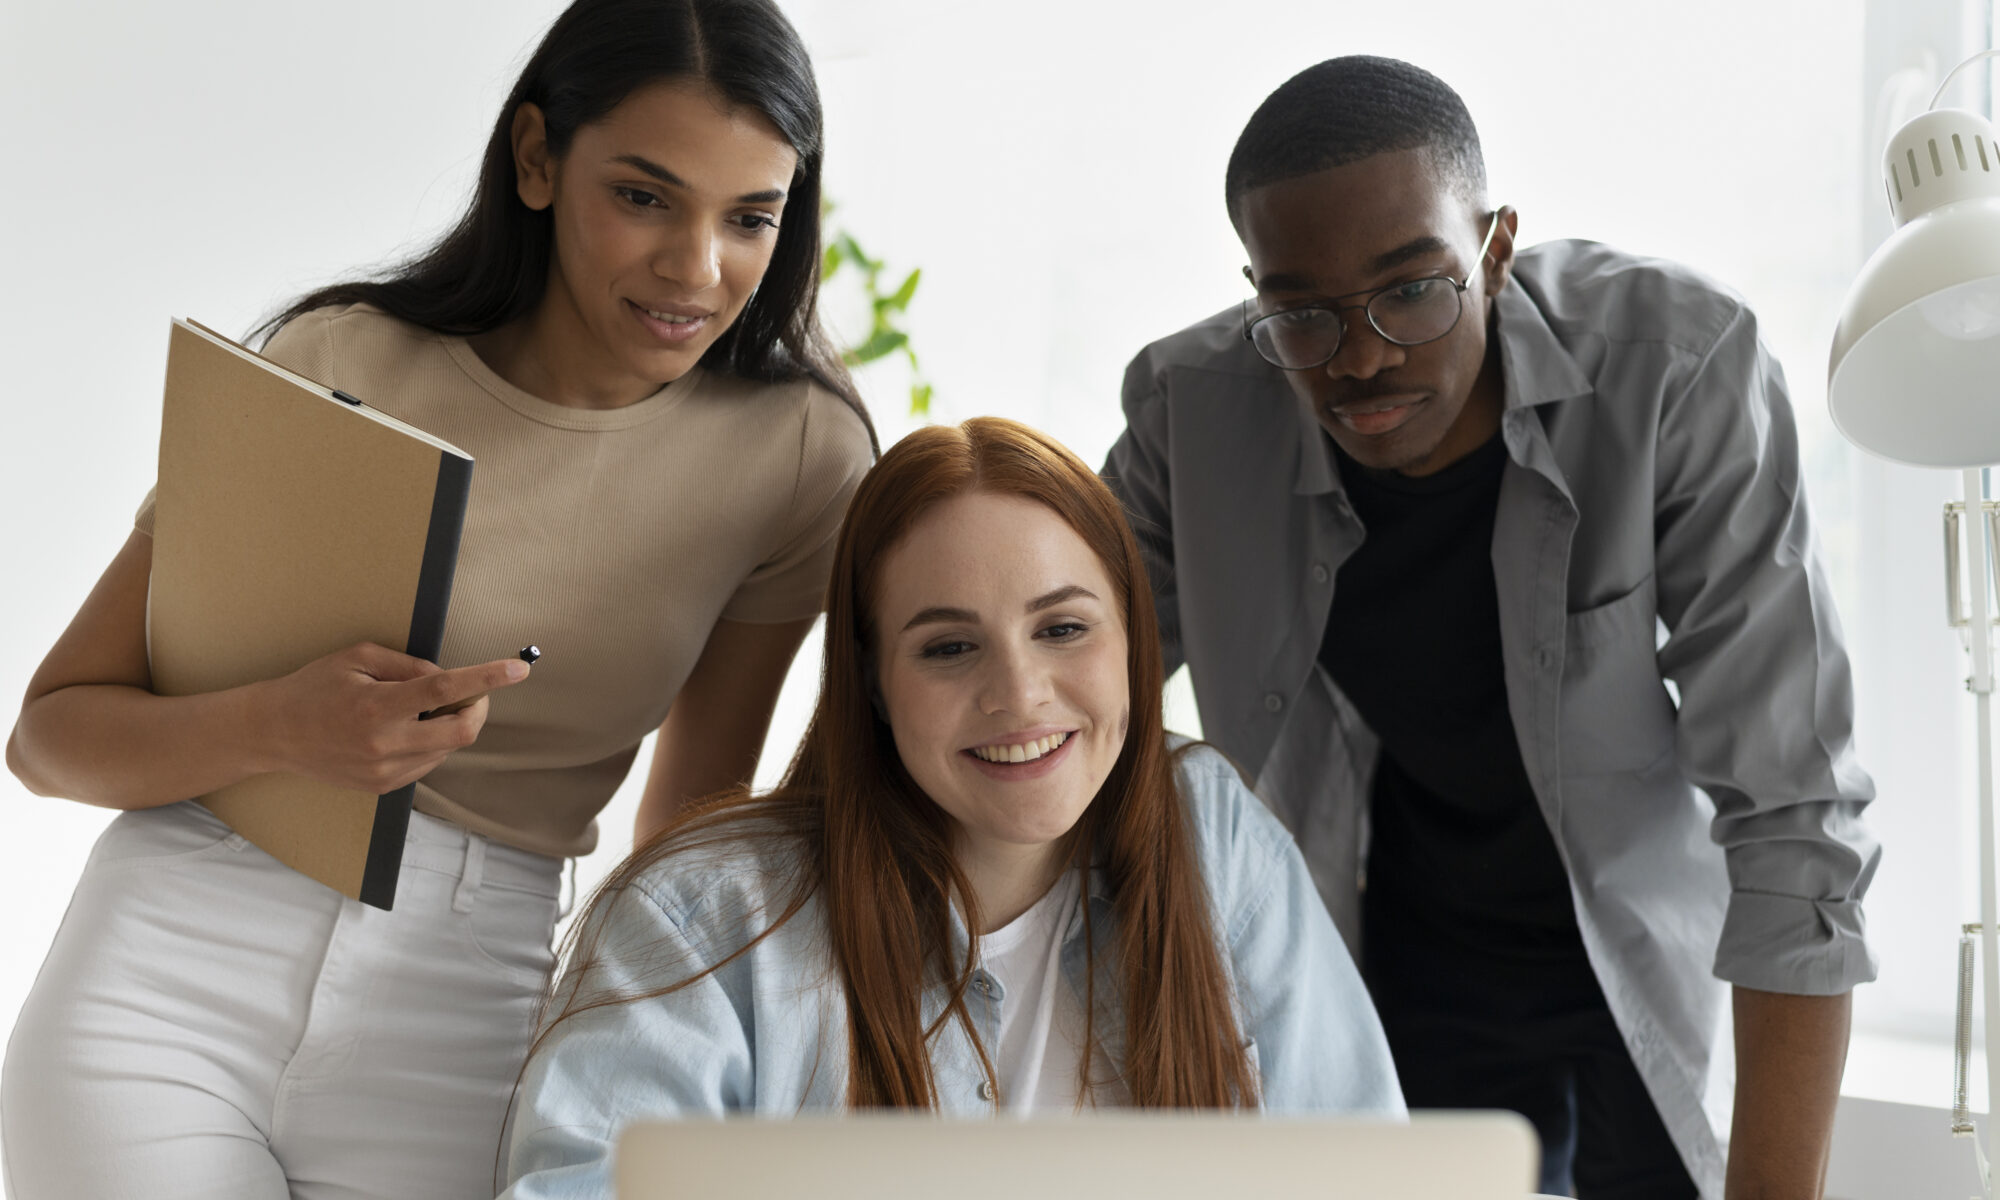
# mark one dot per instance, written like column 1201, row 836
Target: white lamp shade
column 1915, row 372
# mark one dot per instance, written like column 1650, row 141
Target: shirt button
column 986, row 1090
column 1273, row 702
column 1320, row 573
column 1545, row 658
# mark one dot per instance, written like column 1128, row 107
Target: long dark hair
column 494, row 264
column 879, row 851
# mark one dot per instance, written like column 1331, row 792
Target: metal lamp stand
column 1984, row 533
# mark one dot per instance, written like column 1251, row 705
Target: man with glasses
column 1415, row 516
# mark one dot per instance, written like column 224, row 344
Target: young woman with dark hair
column 621, row 331
column 987, row 881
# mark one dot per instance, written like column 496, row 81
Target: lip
column 1021, row 772
column 671, row 334
column 1021, row 737
column 1379, row 415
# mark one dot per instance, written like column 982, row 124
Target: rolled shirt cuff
column 1794, row 945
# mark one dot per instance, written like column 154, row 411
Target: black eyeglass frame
column 1368, row 298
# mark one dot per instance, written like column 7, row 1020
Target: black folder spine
column 392, row 812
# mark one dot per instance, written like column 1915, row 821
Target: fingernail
column 516, row 669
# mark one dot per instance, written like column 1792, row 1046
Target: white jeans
column 211, row 1024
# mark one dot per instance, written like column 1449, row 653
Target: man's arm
column 1766, row 729
column 1790, row 1051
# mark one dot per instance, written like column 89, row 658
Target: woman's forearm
column 123, row 747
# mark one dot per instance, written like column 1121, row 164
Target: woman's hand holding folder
column 356, row 718
column 91, row 728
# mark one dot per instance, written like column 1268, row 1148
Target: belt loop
column 475, row 868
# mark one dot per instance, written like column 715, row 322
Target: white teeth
column 670, row 318
column 1021, row 752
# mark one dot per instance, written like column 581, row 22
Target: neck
column 1007, row 879
column 541, row 353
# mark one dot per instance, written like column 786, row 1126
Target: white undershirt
column 1041, row 1017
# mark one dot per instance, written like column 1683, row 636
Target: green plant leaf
column 852, row 249
column 901, row 300
column 830, row 262
column 879, row 343
column 920, row 399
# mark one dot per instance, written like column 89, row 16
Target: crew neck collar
column 563, row 416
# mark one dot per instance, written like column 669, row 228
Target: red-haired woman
column 985, row 883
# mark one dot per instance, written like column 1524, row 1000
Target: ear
column 534, row 170
column 1500, row 255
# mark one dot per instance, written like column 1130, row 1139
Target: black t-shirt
column 1462, row 870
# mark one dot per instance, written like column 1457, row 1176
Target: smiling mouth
column 676, row 314
column 670, row 328
column 1023, row 751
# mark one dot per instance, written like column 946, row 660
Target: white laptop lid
column 1436, row 1156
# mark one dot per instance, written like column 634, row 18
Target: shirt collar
column 1097, row 890
column 1534, row 364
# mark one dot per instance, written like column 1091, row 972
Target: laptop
column 1435, row 1156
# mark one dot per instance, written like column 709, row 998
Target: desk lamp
column 1915, row 378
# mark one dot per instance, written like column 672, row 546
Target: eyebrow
column 1409, row 251
column 648, row 166
column 939, row 615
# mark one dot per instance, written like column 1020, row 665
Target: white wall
column 1055, row 168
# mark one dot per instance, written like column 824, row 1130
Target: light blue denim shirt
column 767, row 1034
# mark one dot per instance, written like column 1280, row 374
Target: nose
column 1364, row 353
column 1014, row 681
column 691, row 258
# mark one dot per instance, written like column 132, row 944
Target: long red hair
column 879, row 851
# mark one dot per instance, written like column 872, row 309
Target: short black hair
column 1351, row 108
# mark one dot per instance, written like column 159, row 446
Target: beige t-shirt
column 613, row 539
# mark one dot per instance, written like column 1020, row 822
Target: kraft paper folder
column 290, row 522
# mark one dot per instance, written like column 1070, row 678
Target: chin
column 1384, row 454
column 1042, row 820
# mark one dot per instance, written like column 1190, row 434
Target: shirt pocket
column 1616, row 713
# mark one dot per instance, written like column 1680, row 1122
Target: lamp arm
column 1953, row 74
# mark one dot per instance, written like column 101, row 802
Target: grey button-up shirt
column 1652, row 480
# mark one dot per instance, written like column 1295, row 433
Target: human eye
column 754, row 222
column 638, row 197
column 1416, row 291
column 946, row 649
column 1063, row 631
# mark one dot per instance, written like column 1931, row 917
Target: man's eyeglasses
column 1408, row 314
